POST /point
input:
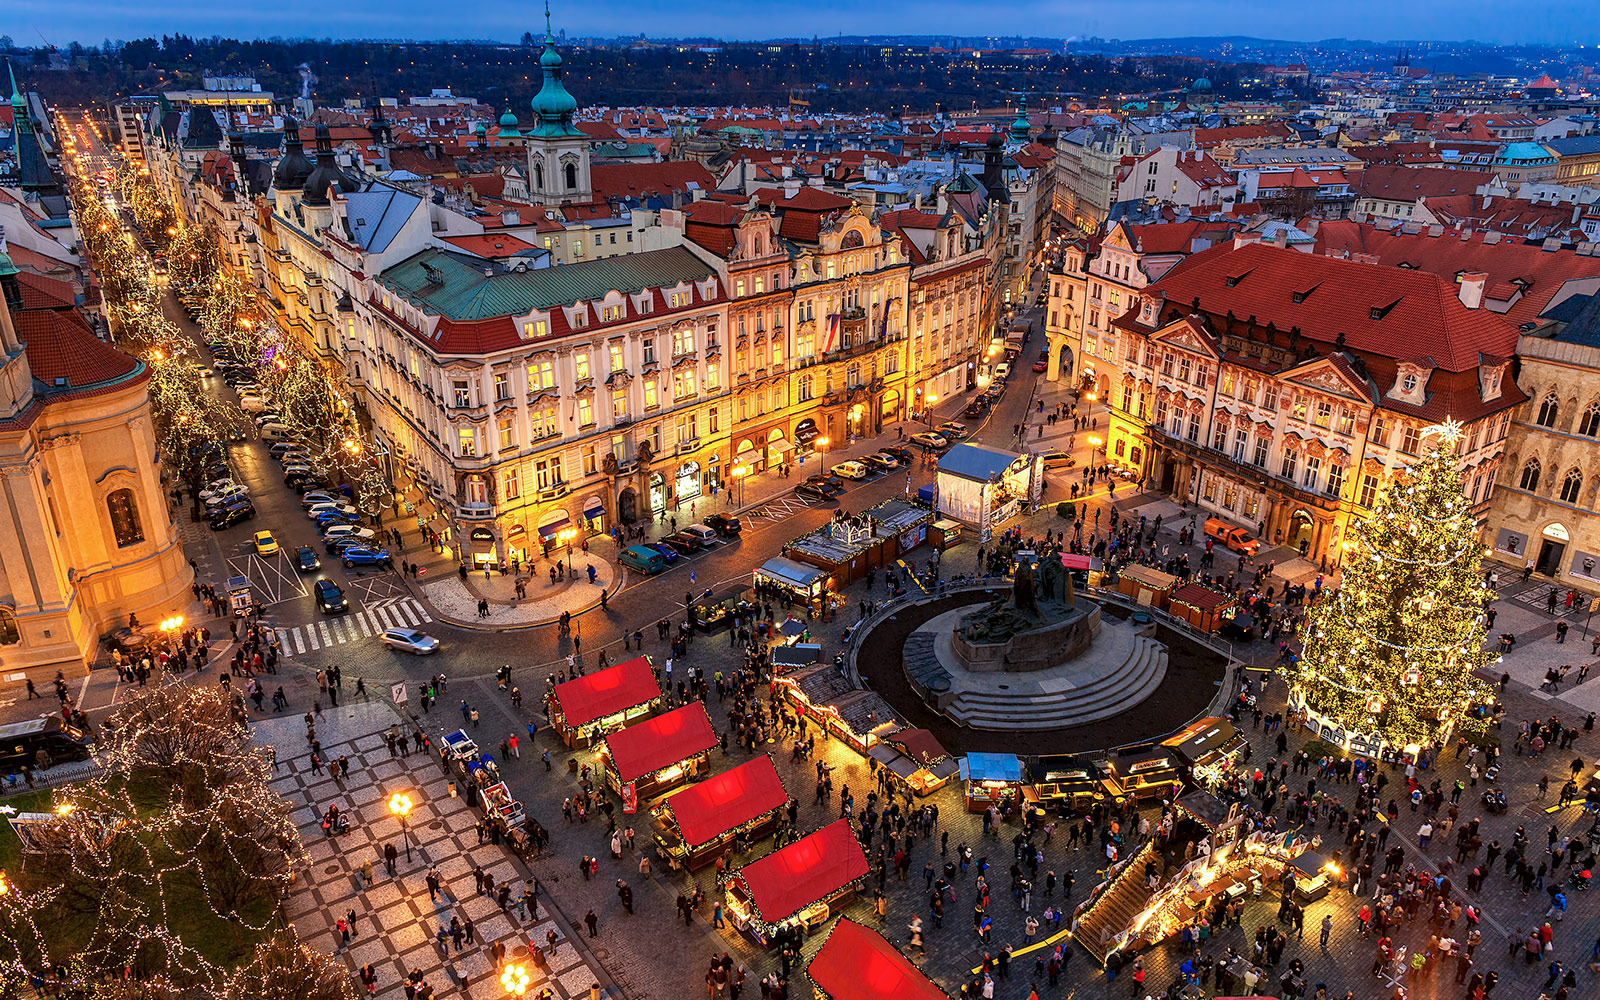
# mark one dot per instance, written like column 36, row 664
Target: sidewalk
column 395, row 927
column 456, row 600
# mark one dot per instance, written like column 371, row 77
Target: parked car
column 724, row 525
column 305, row 481
column 297, row 469
column 348, row 531
column 333, row 506
column 409, row 640
column 251, row 403
column 362, row 555
column 643, row 558
column 1042, row 363
column 1058, row 460
column 832, row 485
column 305, row 559
column 267, row 417
column 315, row 497
column 1002, row 371
column 850, row 470
column 707, row 537
column 330, row 599
column 903, row 455
column 976, row 408
column 952, row 429
column 685, row 542
column 811, row 491
column 280, row 448
column 231, row 515
column 668, row 553
column 1227, row 535
column 930, row 440
column 265, row 544
column 879, row 462
column 339, row 545
column 221, row 489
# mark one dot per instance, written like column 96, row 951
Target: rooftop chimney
column 1471, row 288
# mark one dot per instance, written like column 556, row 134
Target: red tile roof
column 61, row 345
column 643, row 180
column 1392, row 183
column 39, row 292
column 491, row 245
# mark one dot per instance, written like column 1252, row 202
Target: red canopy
column 661, row 742
column 612, row 690
column 858, row 964
column 787, row 881
column 733, row 798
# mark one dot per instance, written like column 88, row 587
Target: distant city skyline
column 1555, row 22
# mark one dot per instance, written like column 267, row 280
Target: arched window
column 9, row 636
column 1547, row 411
column 538, row 175
column 1571, row 486
column 124, row 511
column 572, row 177
column 1590, row 424
column 1530, row 475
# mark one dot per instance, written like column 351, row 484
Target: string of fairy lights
column 1393, row 654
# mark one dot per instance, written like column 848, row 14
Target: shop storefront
column 916, row 759
column 992, row 779
column 856, row 963
column 808, row 584
column 585, row 709
column 551, row 524
column 696, row 826
column 594, row 516
column 480, row 544
column 517, row 543
column 798, row 884
column 805, row 436
column 657, row 755
column 778, row 448
column 660, row 497
column 686, row 482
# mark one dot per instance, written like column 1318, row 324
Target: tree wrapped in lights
column 284, row 969
column 1390, row 657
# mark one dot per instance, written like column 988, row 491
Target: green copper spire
column 553, row 106
column 1021, row 129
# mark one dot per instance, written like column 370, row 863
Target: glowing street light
column 516, row 980
column 400, row 805
column 566, row 536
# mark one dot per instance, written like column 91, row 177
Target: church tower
column 558, row 154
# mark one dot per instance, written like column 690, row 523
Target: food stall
column 992, row 779
column 945, row 533
column 825, row 696
column 657, row 755
column 792, row 656
column 711, row 616
column 585, row 708
column 799, row 883
column 1146, row 585
column 1201, row 606
column 1150, row 773
column 916, row 759
column 1313, row 876
column 1063, row 781
column 856, row 963
column 698, row 825
column 1209, row 748
column 808, row 584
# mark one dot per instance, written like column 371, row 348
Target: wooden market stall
column 1209, row 748
column 657, row 755
column 1146, row 585
column 585, row 708
column 916, row 759
column 786, row 656
column 856, row 963
column 698, row 825
column 797, row 884
column 945, row 533
column 1063, row 781
column 1201, row 606
column 992, row 779
column 1143, row 774
column 807, row 584
column 825, row 696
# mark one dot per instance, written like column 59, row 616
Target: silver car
column 409, row 640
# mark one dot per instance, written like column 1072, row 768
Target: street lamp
column 400, row 805
column 822, row 456
column 927, row 408
column 1094, row 446
column 516, row 980
column 739, row 472
column 566, row 535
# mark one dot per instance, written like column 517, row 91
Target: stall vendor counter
column 991, row 779
column 1064, row 782
column 800, row 883
column 657, row 755
column 584, row 709
column 698, row 825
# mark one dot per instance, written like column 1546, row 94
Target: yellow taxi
column 265, row 544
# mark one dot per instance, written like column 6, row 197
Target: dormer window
column 678, row 300
column 579, row 317
column 1408, row 384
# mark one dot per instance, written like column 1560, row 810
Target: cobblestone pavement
column 455, row 600
column 395, row 920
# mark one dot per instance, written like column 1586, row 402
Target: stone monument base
column 1066, row 634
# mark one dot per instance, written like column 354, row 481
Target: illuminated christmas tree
column 1391, row 655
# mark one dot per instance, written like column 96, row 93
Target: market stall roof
column 607, row 692
column 864, row 712
column 1205, row 807
column 1057, row 768
column 1148, row 575
column 991, row 767
column 729, row 800
column 787, row 571
column 820, row 684
column 920, row 745
column 977, row 462
column 661, row 742
column 790, row 879
column 796, row 654
column 1202, row 740
column 895, row 516
column 856, row 963
column 1201, row 597
column 793, row 626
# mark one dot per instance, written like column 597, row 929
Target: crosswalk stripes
column 365, row 623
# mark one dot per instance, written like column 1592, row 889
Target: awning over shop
column 660, row 742
column 991, row 767
column 612, row 690
column 790, row 573
column 779, row 445
column 731, row 799
column 806, row 431
column 812, row 868
column 856, row 963
column 556, row 521
column 593, row 508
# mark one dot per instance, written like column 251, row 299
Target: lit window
column 580, row 364
column 585, row 413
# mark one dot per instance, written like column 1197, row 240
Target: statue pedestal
column 1066, row 634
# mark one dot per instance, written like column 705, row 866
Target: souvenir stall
column 1201, row 606
column 992, row 779
column 711, row 616
column 655, row 756
column 916, row 759
column 825, row 696
column 1209, row 748
column 798, row 884
column 1151, row 773
column 1064, row 782
column 586, row 708
column 985, row 487
column 808, row 584
column 1146, row 585
column 945, row 533
column 845, row 549
column 695, row 827
column 856, row 963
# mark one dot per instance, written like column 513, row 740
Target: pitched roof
column 646, row 180
column 60, row 345
column 1382, row 311
column 1395, row 183
column 39, row 292
column 856, row 963
column 490, row 245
